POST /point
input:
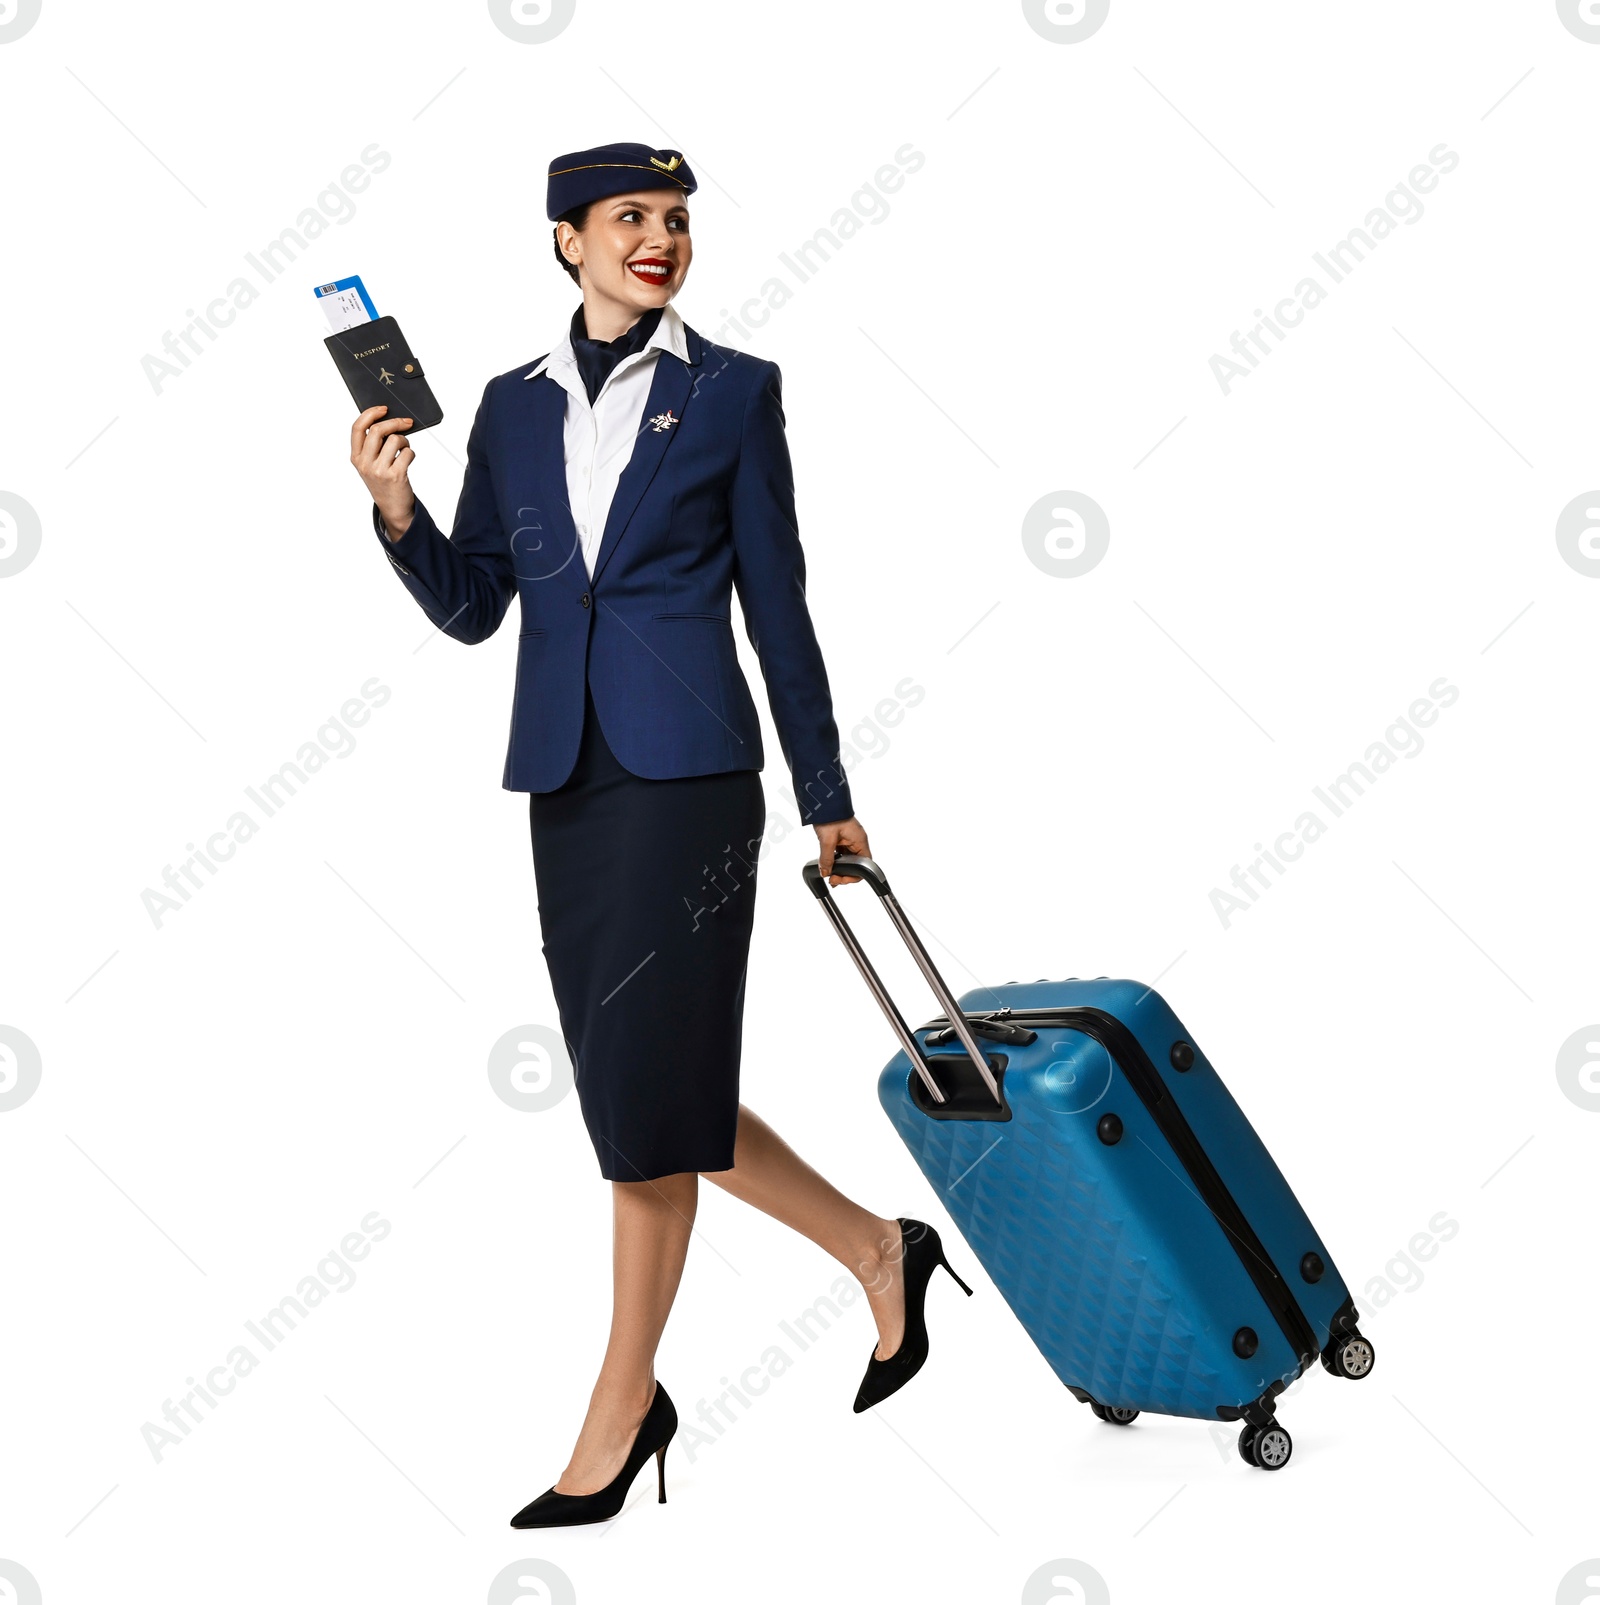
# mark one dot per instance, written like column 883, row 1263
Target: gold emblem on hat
column 665, row 167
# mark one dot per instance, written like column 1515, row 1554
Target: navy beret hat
column 591, row 175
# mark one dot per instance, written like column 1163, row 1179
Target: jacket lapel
column 671, row 387
column 544, row 541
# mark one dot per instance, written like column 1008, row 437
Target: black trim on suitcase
column 966, row 1097
column 1145, row 1079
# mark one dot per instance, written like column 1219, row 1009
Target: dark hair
column 578, row 217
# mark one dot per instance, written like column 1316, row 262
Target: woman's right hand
column 381, row 454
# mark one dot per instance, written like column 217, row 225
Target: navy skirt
column 647, row 893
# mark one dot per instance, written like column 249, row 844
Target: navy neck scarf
column 596, row 358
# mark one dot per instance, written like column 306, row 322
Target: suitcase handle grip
column 872, row 873
column 847, row 864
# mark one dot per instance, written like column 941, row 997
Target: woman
column 621, row 488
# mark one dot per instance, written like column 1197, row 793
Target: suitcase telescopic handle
column 873, row 875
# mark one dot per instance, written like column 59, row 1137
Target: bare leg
column 651, row 1221
column 770, row 1175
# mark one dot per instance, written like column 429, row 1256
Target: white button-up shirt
column 599, row 440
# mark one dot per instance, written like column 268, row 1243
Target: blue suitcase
column 1115, row 1193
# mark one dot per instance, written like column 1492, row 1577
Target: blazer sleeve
column 770, row 577
column 463, row 582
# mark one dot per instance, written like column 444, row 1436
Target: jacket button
column 584, row 599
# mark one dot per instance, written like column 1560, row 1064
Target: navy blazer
column 704, row 506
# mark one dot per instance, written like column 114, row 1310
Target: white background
column 224, row 1097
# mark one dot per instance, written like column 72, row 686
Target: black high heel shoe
column 551, row 1509
column 922, row 1251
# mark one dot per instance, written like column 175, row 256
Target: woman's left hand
column 843, row 836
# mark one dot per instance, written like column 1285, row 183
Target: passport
column 381, row 370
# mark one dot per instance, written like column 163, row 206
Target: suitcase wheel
column 1349, row 1355
column 1118, row 1415
column 1268, row 1447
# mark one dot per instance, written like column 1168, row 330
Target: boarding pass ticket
column 346, row 303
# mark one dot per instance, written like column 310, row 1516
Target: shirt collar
column 669, row 336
